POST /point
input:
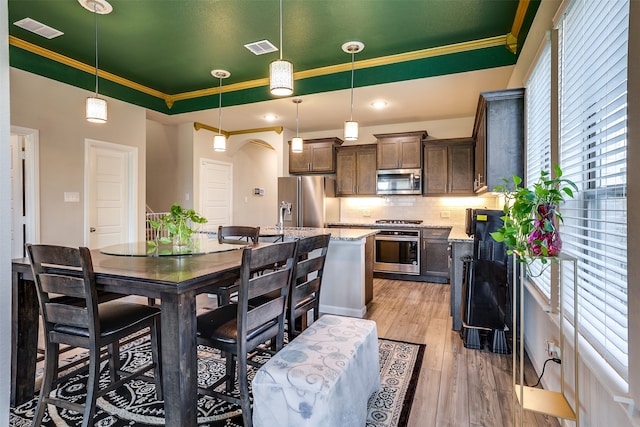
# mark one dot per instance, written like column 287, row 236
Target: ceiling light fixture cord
column 220, row 108
column 297, row 120
column 95, row 24
column 352, row 61
column 280, row 29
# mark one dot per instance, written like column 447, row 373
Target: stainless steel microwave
column 399, row 181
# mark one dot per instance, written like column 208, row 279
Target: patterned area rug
column 135, row 404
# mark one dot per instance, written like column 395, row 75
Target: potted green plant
column 178, row 225
column 531, row 215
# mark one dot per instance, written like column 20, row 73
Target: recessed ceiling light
column 379, row 105
column 270, row 117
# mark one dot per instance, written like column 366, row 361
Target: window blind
column 538, row 132
column 593, row 142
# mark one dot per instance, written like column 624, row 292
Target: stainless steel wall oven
column 397, row 251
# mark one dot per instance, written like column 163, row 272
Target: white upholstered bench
column 324, row 377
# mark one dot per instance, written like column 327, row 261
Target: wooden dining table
column 174, row 280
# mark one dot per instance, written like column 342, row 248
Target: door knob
column 92, row 229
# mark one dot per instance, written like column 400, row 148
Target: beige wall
column 57, row 111
column 162, row 160
column 448, row 128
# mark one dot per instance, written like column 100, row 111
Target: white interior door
column 25, row 218
column 17, row 204
column 110, row 186
column 216, row 194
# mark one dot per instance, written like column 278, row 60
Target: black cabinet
column 318, row 156
column 448, row 167
column 434, row 264
column 499, row 136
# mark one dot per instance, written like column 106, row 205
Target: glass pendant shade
column 96, row 110
column 350, row 131
column 281, row 77
column 219, row 143
column 296, row 145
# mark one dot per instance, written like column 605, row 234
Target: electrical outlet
column 553, row 349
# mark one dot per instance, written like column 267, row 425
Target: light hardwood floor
column 458, row 387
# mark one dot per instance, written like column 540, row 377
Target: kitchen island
column 347, row 283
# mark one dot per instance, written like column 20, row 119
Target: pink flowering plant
column 531, row 215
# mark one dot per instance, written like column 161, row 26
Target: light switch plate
column 445, row 214
column 71, row 196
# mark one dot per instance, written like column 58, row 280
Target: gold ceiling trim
column 46, row 53
column 512, row 37
column 276, row 129
column 367, row 63
column 198, row 126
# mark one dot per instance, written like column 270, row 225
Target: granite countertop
column 378, row 226
column 458, row 235
column 336, row 233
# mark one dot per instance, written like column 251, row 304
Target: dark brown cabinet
column 434, row 263
column 356, row 170
column 499, row 135
column 400, row 150
column 318, row 156
column 448, row 167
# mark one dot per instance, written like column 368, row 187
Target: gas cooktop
column 398, row 221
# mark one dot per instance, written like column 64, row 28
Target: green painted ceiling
column 162, row 50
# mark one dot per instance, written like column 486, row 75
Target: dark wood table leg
column 24, row 338
column 179, row 360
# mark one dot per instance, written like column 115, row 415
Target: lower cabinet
column 434, row 262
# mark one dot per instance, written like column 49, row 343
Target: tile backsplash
column 431, row 210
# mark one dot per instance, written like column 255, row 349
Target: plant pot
column 545, row 240
column 182, row 243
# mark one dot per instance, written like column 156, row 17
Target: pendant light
column 220, row 141
column 281, row 71
column 351, row 126
column 96, row 107
column 296, row 143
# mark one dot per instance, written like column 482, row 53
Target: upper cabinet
column 499, row 135
column 400, row 150
column 448, row 167
column 356, row 170
column 318, row 156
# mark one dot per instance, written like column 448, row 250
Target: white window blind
column 593, row 142
column 538, row 133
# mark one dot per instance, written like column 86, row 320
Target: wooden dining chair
column 237, row 329
column 304, row 291
column 65, row 283
column 233, row 234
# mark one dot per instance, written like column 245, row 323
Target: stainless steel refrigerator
column 307, row 201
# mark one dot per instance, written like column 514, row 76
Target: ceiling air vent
column 38, row 28
column 261, row 47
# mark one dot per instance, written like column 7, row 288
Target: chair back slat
column 309, row 265
column 66, row 314
column 63, row 285
column 267, row 282
column 235, row 233
column 303, row 290
column 265, row 313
